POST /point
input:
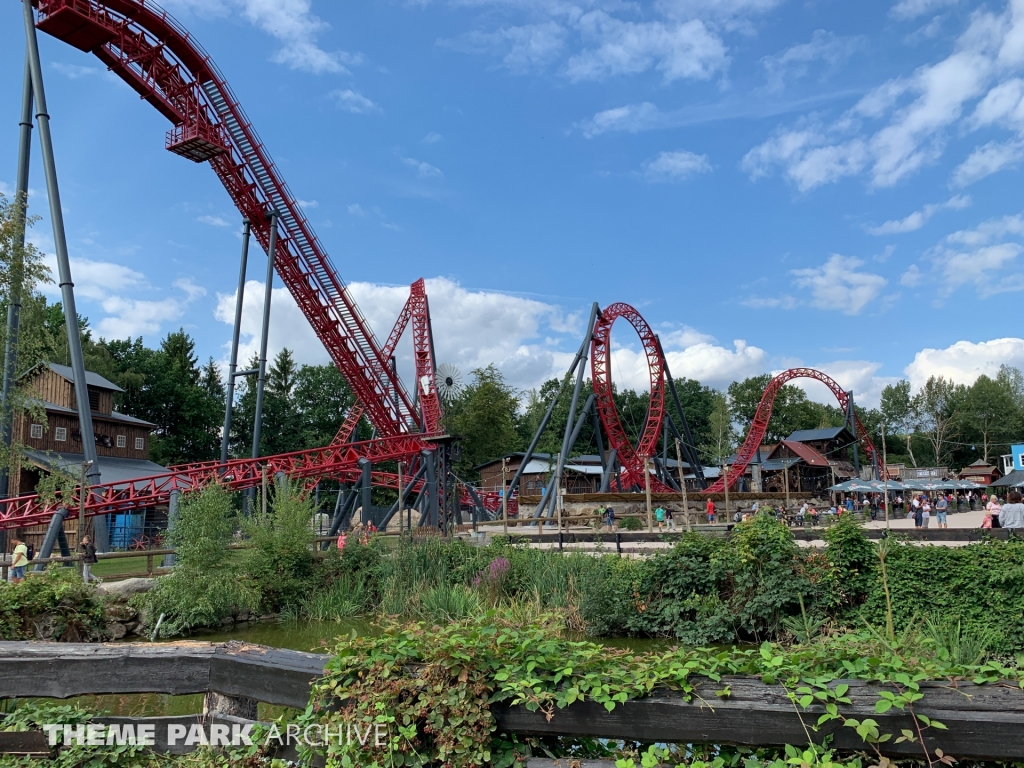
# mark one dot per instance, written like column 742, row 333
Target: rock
column 127, row 587
column 132, row 627
column 119, row 612
column 115, row 630
column 242, row 617
column 226, row 621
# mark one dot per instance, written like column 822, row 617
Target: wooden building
column 49, row 430
column 980, row 472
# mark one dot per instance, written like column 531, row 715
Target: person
column 801, row 514
column 342, row 538
column 1012, row 513
column 986, row 523
column 849, row 503
column 600, row 514
column 993, row 508
column 926, row 512
column 738, row 516
column 941, row 508
column 609, row 519
column 814, row 517
column 671, row 519
column 711, row 511
column 917, row 512
column 659, row 515
column 755, row 506
column 89, row 558
column 19, row 560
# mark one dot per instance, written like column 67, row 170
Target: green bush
column 55, row 605
column 279, row 563
column 631, row 524
column 205, row 587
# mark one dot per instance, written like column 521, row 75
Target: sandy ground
column 958, row 520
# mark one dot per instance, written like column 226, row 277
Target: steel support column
column 14, row 302
column 229, row 400
column 101, row 536
column 432, row 490
column 609, row 470
column 56, row 527
column 367, row 487
column 267, row 294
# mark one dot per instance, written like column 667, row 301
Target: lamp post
column 785, row 474
column 81, row 502
column 647, row 487
column 504, row 496
column 400, row 465
column 682, row 485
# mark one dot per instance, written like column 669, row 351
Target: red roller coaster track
column 632, row 459
column 764, row 412
column 160, row 60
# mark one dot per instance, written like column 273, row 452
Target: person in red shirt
column 711, row 511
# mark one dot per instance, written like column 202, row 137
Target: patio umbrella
column 865, row 486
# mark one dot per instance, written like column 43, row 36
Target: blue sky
column 771, row 182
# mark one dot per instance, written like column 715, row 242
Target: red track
column 159, row 59
column 764, row 412
column 632, row 459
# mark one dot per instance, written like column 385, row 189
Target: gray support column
column 573, row 437
column 14, row 305
column 431, row 496
column 172, row 520
column 56, row 527
column 63, row 267
column 367, row 487
column 400, row 504
column 609, row 470
column 689, row 447
column 229, row 400
column 851, row 421
column 567, row 438
column 580, row 354
column 268, row 292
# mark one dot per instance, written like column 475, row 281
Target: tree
column 720, row 441
column 485, row 416
column 989, row 411
column 791, row 411
column 939, row 403
column 900, row 413
column 322, row 398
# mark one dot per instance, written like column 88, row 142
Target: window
column 94, row 399
column 140, row 443
column 36, row 432
column 122, row 441
column 60, row 434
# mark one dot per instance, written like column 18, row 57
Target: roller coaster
column 144, row 46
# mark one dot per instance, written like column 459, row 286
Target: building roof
column 114, row 416
column 65, row 372
column 1013, row 480
column 810, row 456
column 112, row 470
column 978, row 468
column 828, row 433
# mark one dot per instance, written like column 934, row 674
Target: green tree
column 900, row 414
column 940, row 403
column 792, row 409
column 989, row 414
column 485, row 417
column 322, row 398
column 720, row 440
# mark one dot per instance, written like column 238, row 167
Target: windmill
column 449, row 383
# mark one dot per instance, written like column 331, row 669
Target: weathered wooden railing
column 983, row 721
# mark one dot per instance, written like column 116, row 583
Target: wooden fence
column 985, row 722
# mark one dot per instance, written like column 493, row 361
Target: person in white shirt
column 926, row 512
column 1012, row 514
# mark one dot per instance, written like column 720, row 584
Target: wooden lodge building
column 55, row 442
column 810, row 459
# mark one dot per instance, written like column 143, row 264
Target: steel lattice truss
column 633, row 459
column 764, row 412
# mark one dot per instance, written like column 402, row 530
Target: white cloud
column 916, row 113
column 96, row 279
column 771, row 302
column 291, row 22
column 214, row 221
column 687, row 50
column 74, row 71
column 676, row 166
column 837, row 285
column 522, row 48
column 354, row 102
column 917, row 219
column 715, row 365
column 423, row 169
column 632, row 118
column 308, row 203
column 431, row 138
column 357, row 210
column 717, row 10
column 796, row 61
column 965, row 361
column 987, row 159
column 911, row 9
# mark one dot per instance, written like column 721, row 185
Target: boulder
column 114, row 630
column 119, row 612
column 127, row 587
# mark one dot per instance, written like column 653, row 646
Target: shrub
column 280, row 562
column 204, row 588
column 55, row 605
